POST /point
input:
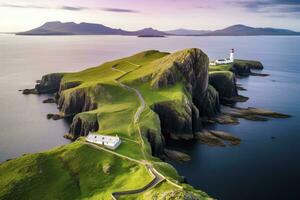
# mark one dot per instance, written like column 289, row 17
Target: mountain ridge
column 72, row 28
column 241, row 30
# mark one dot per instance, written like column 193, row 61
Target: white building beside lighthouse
column 225, row 60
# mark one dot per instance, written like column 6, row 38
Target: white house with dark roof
column 111, row 142
column 225, row 60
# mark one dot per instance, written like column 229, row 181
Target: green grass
column 131, row 149
column 228, row 74
column 151, row 96
column 226, row 67
column 74, row 171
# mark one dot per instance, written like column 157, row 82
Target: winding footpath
column 140, row 108
column 157, row 177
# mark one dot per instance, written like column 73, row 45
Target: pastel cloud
column 159, row 14
column 69, row 8
column 281, row 6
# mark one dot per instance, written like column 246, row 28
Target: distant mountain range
column 71, row 28
column 242, row 30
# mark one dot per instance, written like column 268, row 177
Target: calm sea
column 259, row 168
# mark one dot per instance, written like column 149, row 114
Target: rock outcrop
column 243, row 67
column 156, row 141
column 49, row 100
column 83, row 123
column 177, row 119
column 224, row 83
column 217, row 138
column 208, row 104
column 49, row 84
column 190, row 67
column 75, row 101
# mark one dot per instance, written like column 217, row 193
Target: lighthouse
column 231, row 55
column 225, row 60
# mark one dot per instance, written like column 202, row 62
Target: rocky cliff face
column 224, row 83
column 156, row 141
column 82, row 124
column 182, row 120
column 243, row 67
column 75, row 101
column 71, row 102
column 208, row 103
column 190, row 66
column 49, row 84
column 179, row 121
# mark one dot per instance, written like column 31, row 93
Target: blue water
column 259, row 168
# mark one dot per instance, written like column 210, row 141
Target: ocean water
column 259, row 168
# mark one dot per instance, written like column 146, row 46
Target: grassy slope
column 78, row 165
column 73, row 171
column 225, row 67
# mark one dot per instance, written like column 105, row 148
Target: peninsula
column 144, row 99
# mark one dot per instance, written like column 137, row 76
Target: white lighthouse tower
column 225, row 60
column 231, row 55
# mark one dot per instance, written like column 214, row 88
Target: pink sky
column 20, row 15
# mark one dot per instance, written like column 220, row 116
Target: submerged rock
column 206, row 137
column 217, row 138
column 240, row 87
column 55, row 116
column 226, row 137
column 176, row 155
column 254, row 114
column 30, row 91
column 222, row 119
column 49, row 100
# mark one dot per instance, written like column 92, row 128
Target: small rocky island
column 145, row 99
column 150, row 35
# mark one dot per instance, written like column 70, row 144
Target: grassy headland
column 98, row 101
column 144, row 99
